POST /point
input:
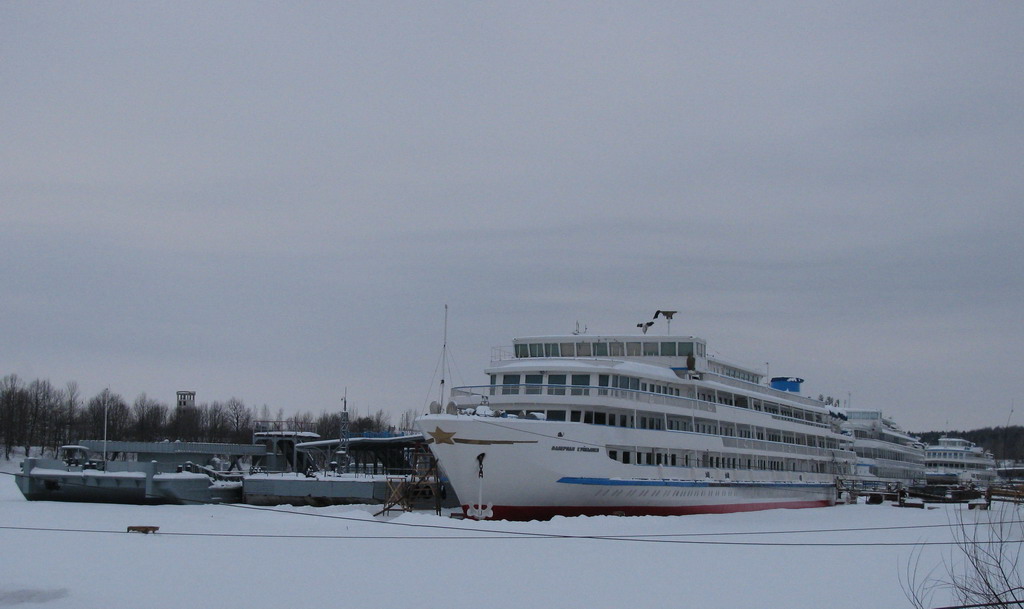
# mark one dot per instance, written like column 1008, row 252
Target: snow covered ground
column 79, row 555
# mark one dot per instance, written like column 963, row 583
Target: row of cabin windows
column 672, row 458
column 947, row 465
column 673, row 423
column 948, row 455
column 610, row 349
column 892, row 455
column 580, row 384
column 735, row 373
column 895, row 472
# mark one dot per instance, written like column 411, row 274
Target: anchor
column 480, row 510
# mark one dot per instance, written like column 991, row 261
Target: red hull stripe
column 546, row 512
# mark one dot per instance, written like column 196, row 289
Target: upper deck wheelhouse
column 653, row 382
column 679, row 354
column 665, row 365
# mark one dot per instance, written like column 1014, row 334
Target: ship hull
column 519, row 469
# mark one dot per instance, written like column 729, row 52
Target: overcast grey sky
column 274, row 201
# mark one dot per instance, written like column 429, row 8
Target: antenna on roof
column 668, row 318
column 444, row 351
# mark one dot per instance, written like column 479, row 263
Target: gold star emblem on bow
column 441, row 437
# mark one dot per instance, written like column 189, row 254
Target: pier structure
column 280, row 439
column 211, row 455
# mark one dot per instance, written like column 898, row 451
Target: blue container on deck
column 787, row 383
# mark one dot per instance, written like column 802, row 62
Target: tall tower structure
column 186, row 398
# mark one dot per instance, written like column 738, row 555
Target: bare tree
column 328, row 425
column 70, row 412
column 239, row 420
column 983, row 569
column 217, row 423
column 13, row 407
column 111, row 407
column 148, row 419
column 186, row 423
column 408, row 420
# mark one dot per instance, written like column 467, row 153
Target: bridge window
column 583, row 349
column 556, row 379
column 668, row 349
column 581, row 381
column 513, row 380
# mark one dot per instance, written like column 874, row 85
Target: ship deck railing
column 522, row 393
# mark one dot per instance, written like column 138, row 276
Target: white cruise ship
column 885, row 453
column 959, row 461
column 633, row 425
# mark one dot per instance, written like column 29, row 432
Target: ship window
column 601, row 349
column 613, row 454
column 633, row 349
column 551, row 349
column 581, row 382
column 625, row 457
column 602, row 381
column 615, row 349
column 522, row 350
column 574, row 416
column 599, row 418
column 650, row 348
column 568, row 349
column 556, row 379
column 583, row 349
column 634, row 383
column 556, row 415
column 668, row 349
column 513, row 380
column 685, row 349
column 588, row 417
column 534, row 379
column 536, row 350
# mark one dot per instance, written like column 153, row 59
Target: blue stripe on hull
column 688, row 483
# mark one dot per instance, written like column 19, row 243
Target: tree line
column 38, row 414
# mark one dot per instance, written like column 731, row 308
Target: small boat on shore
column 80, row 475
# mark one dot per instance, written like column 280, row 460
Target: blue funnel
column 787, row 383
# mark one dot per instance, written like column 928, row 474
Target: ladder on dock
column 422, row 487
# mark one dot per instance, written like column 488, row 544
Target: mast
column 444, row 355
